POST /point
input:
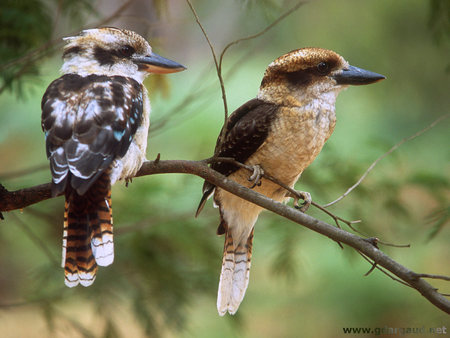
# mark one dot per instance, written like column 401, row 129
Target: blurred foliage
column 26, row 29
column 161, row 8
column 19, row 36
column 440, row 20
column 164, row 278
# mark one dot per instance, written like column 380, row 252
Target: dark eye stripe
column 107, row 57
column 72, row 50
column 103, row 56
column 300, row 77
column 126, row 51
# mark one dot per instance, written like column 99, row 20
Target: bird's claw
column 128, row 180
column 305, row 196
column 258, row 172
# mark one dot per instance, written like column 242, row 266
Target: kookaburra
column 96, row 119
column 281, row 131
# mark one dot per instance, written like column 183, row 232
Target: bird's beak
column 356, row 76
column 158, row 64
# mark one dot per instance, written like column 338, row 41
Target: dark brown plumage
column 95, row 129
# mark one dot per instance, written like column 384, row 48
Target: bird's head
column 308, row 74
column 112, row 51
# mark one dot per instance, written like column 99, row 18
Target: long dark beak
column 158, row 64
column 357, row 76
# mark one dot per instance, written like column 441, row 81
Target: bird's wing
column 246, row 131
column 88, row 122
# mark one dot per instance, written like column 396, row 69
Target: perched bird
column 96, row 118
column 281, row 132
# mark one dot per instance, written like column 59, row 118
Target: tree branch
column 12, row 200
column 218, row 70
column 24, row 197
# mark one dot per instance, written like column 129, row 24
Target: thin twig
column 374, row 265
column 383, row 271
column 395, row 245
column 426, row 275
column 265, row 30
column 420, row 132
column 219, row 73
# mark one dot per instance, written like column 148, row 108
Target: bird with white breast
column 96, row 118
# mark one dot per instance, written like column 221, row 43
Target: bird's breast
column 295, row 138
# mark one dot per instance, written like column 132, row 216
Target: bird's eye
column 126, row 51
column 323, row 68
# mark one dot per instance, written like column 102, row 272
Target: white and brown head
column 112, row 51
column 307, row 74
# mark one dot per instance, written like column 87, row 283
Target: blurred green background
column 165, row 275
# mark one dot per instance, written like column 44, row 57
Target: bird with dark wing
column 281, row 131
column 96, row 118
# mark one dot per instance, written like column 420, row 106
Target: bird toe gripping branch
column 256, row 176
column 305, row 196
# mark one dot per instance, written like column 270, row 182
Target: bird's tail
column 235, row 273
column 88, row 233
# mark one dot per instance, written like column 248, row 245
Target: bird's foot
column 305, row 196
column 258, row 172
column 128, row 180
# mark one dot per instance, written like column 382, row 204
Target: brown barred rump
column 88, row 232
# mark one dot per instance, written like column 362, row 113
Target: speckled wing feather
column 88, row 122
column 247, row 128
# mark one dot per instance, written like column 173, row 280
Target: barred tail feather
column 102, row 242
column 88, row 233
column 235, row 274
column 226, row 275
column 78, row 262
column 242, row 258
